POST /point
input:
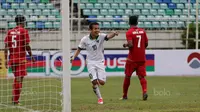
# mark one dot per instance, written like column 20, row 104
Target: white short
column 96, row 71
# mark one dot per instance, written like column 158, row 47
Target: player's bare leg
column 96, row 90
column 126, row 85
column 143, row 83
column 17, row 85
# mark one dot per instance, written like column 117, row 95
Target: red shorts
column 139, row 67
column 19, row 70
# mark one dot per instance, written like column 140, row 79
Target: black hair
column 91, row 25
column 20, row 19
column 133, row 20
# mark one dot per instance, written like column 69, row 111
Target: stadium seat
column 166, row 18
column 101, row 1
column 123, row 25
column 192, row 17
column 95, row 12
column 136, row 12
column 40, row 25
column 93, row 1
column 161, row 12
column 131, row 6
column 97, row 5
column 55, row 12
column 164, row 24
column 194, row 6
column 186, row 6
column 106, row 6
column 122, row 6
column 43, row 18
column 92, row 18
column 183, row 1
column 23, row 5
column 10, row 1
column 141, row 24
column 9, row 17
column 6, row 6
column 42, row 6
column 108, row 18
column 150, row 18
column 3, row 24
column 106, row 25
column 114, row 24
column 11, row 12
column 15, row 6
column 11, row 24
column 51, row 18
column 46, row 12
column 139, row 6
column 158, row 17
column 19, row 1
column 147, row 6
column 134, row 1
column 166, row 1
column 2, row 1
column 117, row 18
column 175, row 1
column 193, row 11
column 142, row 18
column 109, row 1
column 36, row 1
column 86, row 12
column 37, row 12
column 145, row 12
column 114, row 6
column 180, row 6
column 27, row 1
column 147, row 24
column 150, row 1
column 34, row 18
column 153, row 12
column 175, row 18
column 30, row 25
column 100, row 24
column 192, row 1
column 82, row 6
column 169, row 12
column 89, row 5
column 126, row 1
column 56, row 25
column 49, row 6
column 142, row 1
column 75, row 1
column 100, row 18
column 163, row 6
column 155, row 24
column 44, row 1
column 118, row 1
column 32, row 6
column 48, row 24
column 111, row 11
column 104, row 12
column 172, row 6
column 128, row 12
column 155, row 6
column 29, row 12
column 158, row 1
column 125, row 18
column 181, row 24
column 172, row 24
column 183, row 17
column 120, row 12
column 185, row 12
column 20, row 12
column 177, row 11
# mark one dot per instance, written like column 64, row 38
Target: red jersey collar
column 19, row 26
column 133, row 27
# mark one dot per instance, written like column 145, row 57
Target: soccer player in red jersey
column 17, row 43
column 137, row 42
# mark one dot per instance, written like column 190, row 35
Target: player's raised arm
column 77, row 52
column 111, row 35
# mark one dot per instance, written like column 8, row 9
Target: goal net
column 42, row 87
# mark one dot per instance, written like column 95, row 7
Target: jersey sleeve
column 81, row 44
column 128, row 35
column 27, row 38
column 104, row 36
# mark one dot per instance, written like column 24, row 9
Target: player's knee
column 140, row 77
column 19, row 79
column 94, row 82
column 128, row 77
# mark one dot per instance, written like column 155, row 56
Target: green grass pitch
column 166, row 94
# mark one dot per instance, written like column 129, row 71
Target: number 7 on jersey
column 139, row 41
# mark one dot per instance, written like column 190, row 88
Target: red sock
column 126, row 86
column 16, row 90
column 143, row 83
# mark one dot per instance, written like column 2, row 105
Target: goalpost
column 46, row 88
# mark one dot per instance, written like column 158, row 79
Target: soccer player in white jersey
column 93, row 43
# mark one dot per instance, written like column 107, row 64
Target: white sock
column 97, row 91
